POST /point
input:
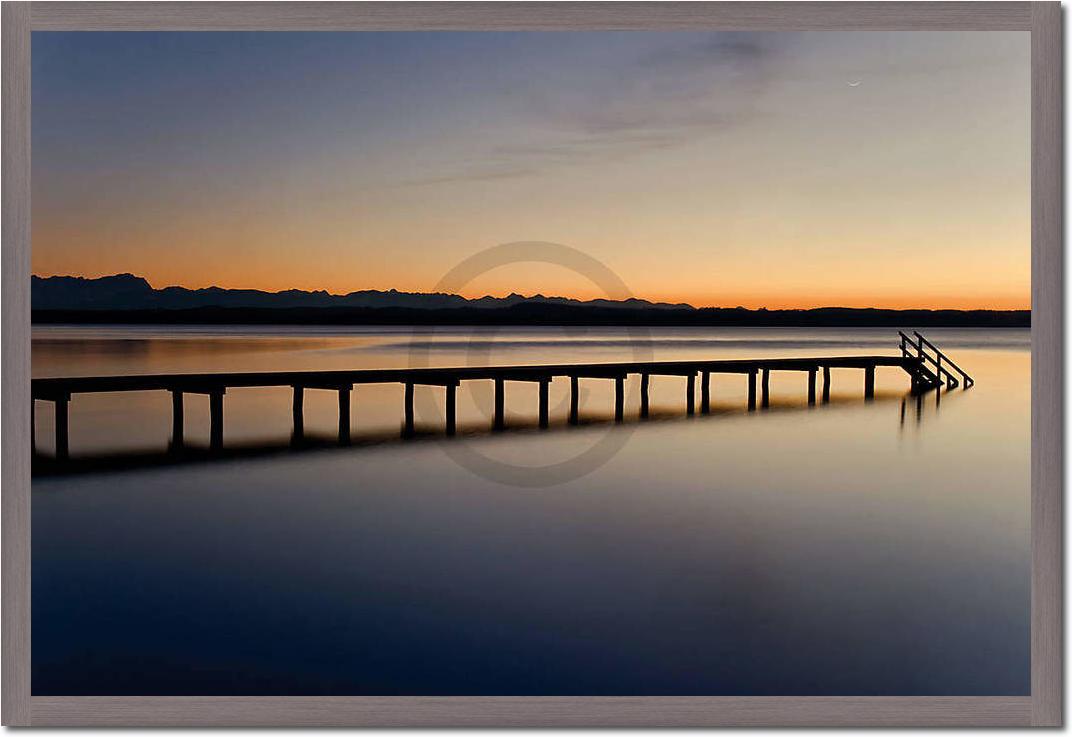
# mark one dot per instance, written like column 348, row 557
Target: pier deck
column 205, row 383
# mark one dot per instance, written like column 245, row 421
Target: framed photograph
column 532, row 364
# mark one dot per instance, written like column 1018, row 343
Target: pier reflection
column 919, row 405
column 306, row 442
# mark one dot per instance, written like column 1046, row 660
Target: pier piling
column 500, row 402
column 705, row 392
column 298, row 412
column 766, row 388
column 690, row 394
column 869, row 382
column 344, row 415
column 177, row 431
column 408, row 431
column 826, row 384
column 644, row 380
column 62, row 413
column 811, row 387
column 619, row 398
column 451, row 408
column 751, row 390
column 543, row 402
column 215, row 411
column 574, row 400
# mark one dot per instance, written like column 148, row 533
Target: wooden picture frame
column 1042, row 708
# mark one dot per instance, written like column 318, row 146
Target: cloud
column 476, row 174
column 718, row 49
column 659, row 99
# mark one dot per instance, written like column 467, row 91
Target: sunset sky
column 773, row 169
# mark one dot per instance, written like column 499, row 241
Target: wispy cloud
column 483, row 173
column 661, row 98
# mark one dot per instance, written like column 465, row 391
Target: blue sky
column 709, row 167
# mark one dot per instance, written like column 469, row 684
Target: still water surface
column 849, row 548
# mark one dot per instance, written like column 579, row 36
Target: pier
column 925, row 366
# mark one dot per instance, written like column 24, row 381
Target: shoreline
column 544, row 316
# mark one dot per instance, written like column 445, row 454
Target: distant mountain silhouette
column 125, row 298
column 130, row 292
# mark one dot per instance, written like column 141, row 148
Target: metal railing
column 943, row 365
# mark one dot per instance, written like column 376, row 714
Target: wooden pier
column 925, row 371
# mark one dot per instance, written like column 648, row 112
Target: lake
column 854, row 548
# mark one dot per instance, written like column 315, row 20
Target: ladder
column 936, row 368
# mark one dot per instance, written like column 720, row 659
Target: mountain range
column 126, row 298
column 130, row 292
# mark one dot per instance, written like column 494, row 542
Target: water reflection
column 298, row 443
column 932, row 400
column 849, row 548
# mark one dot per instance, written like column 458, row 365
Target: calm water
column 849, row 548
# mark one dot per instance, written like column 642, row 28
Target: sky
column 774, row 170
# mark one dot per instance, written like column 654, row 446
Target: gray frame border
column 1043, row 708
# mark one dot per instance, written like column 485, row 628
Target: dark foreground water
column 849, row 548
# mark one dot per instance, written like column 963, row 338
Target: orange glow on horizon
column 783, row 301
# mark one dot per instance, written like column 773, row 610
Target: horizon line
column 537, row 295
